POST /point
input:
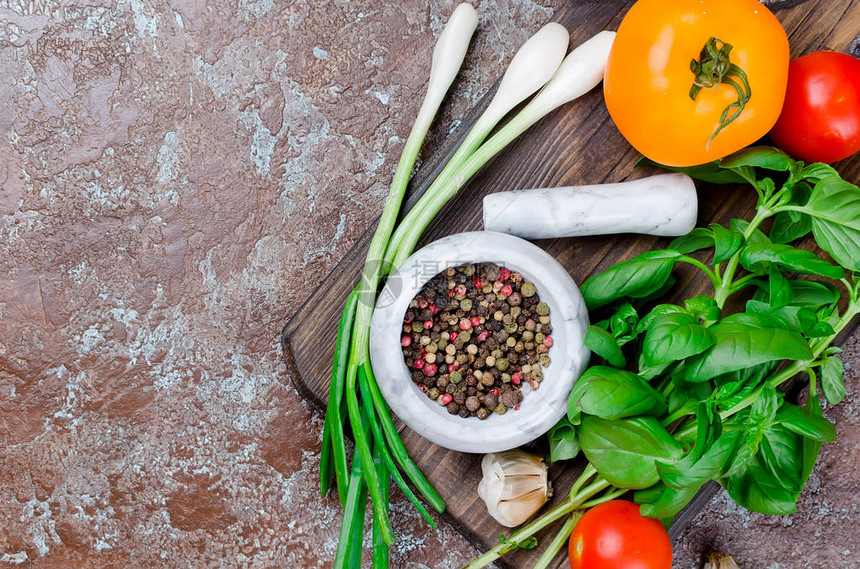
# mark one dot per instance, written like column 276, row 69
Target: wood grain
column 577, row 144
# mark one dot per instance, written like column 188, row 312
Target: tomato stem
column 714, row 68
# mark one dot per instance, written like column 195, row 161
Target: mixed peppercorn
column 473, row 336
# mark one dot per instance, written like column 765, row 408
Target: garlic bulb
column 720, row 561
column 514, row 486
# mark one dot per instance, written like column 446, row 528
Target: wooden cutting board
column 577, row 144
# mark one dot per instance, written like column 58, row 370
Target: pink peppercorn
column 477, row 282
column 517, row 407
column 475, row 321
column 460, row 289
column 434, row 309
column 482, row 337
column 428, row 324
column 423, row 388
column 453, row 367
column 547, row 341
column 422, row 304
column 429, row 369
column 505, row 274
column 405, row 340
column 507, row 290
column 451, row 293
column 418, row 363
column 453, row 337
column 465, row 324
column 446, row 398
column 534, row 384
column 516, row 379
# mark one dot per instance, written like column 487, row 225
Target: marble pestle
column 663, row 205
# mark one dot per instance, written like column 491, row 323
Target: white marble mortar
column 540, row 409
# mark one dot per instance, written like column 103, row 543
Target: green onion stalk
column 354, row 395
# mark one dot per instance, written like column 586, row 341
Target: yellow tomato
column 649, row 78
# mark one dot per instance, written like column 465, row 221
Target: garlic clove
column 514, row 486
column 720, row 561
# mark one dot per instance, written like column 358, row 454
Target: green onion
column 333, row 427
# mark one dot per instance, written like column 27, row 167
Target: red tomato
column 614, row 535
column 820, row 119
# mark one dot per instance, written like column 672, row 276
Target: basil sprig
column 681, row 394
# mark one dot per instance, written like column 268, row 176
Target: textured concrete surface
column 175, row 178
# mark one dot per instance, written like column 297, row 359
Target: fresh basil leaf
column 799, row 420
column 624, row 451
column 756, row 489
column 611, row 393
column 710, row 172
column 756, row 257
column 746, row 452
column 678, row 399
column 740, row 345
column 811, row 447
column 703, row 307
column 801, row 320
column 694, row 391
column 623, row 323
column 832, row 384
column 563, row 443
column 673, row 337
column 818, row 171
column 766, row 157
column 835, row 210
column 712, row 463
column 813, row 295
column 639, row 277
column 726, row 390
column 790, row 226
column 646, row 321
column 604, row 345
column 727, row 242
column 696, row 240
column 781, row 454
column 765, row 406
column 666, row 502
column 779, row 289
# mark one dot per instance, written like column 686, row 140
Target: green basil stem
column 397, row 448
column 561, row 510
column 355, row 497
column 334, row 411
column 382, row 450
column 724, row 290
column 559, row 541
